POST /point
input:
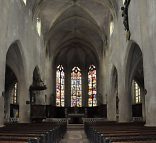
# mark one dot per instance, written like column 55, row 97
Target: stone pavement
column 75, row 134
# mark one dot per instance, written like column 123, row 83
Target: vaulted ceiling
column 85, row 22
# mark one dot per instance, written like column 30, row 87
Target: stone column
column 85, row 87
column 143, row 103
column 6, row 106
column 111, row 104
column 49, row 76
column 67, row 87
column 24, row 109
column 1, row 110
column 125, row 105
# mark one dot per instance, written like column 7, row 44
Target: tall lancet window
column 76, row 87
column 14, row 93
column 136, row 91
column 60, row 86
column 92, row 90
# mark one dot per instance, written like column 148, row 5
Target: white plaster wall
column 16, row 24
column 142, row 22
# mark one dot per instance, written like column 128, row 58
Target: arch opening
column 15, row 85
column 135, row 83
column 11, row 109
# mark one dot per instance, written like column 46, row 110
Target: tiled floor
column 75, row 134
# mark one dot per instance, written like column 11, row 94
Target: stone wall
column 142, row 22
column 17, row 26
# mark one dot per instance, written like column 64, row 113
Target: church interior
column 78, row 71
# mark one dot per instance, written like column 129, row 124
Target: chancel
column 77, row 71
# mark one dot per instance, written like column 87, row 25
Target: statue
column 125, row 18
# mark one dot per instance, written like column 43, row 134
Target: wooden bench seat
column 122, row 132
column 19, row 139
column 136, row 142
column 38, row 136
column 13, row 142
column 32, row 132
column 41, row 135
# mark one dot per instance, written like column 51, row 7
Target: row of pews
column 112, row 132
column 33, row 132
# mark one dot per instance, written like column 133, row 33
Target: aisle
column 75, row 134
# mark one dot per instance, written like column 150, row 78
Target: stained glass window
column 76, row 88
column 14, row 94
column 92, row 91
column 60, row 86
column 136, row 92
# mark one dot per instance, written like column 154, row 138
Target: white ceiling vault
column 85, row 22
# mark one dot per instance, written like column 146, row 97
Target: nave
column 83, row 62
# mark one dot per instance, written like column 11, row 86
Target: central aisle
column 75, row 134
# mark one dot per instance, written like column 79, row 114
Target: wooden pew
column 32, row 132
column 11, row 139
column 119, row 132
column 136, row 142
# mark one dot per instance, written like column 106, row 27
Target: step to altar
column 75, row 126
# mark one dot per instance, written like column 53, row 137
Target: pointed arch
column 134, row 63
column 15, row 68
column 134, row 81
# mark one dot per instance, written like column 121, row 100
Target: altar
column 72, row 114
column 75, row 118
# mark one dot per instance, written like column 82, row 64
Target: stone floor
column 75, row 134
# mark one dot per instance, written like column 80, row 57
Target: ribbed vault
column 84, row 22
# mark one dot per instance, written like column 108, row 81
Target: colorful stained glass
column 60, row 78
column 92, row 91
column 76, row 88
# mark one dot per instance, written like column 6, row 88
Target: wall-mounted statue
column 125, row 18
column 37, row 85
